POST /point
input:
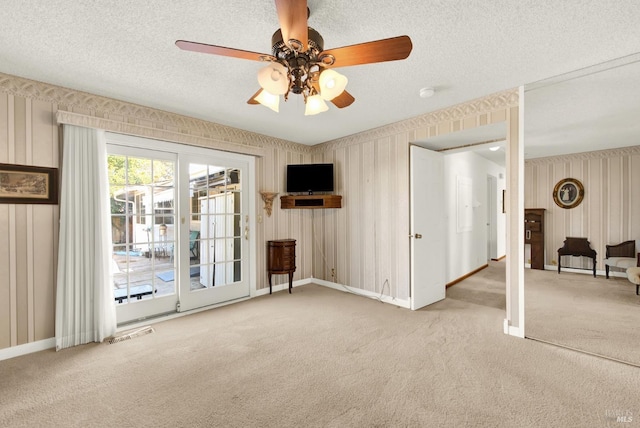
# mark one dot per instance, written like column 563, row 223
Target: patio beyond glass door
column 143, row 227
column 217, row 225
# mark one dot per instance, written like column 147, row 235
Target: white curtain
column 85, row 308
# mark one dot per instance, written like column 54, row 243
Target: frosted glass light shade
column 332, row 84
column 274, row 78
column 268, row 100
column 315, row 105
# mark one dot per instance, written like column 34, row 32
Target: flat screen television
column 310, row 178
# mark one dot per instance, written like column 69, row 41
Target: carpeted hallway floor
column 324, row 358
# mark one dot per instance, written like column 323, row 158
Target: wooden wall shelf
column 310, row 201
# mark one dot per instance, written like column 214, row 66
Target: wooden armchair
column 623, row 255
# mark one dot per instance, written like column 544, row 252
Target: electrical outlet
column 333, row 273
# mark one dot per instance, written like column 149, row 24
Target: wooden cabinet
column 281, row 259
column 310, row 201
column 534, row 235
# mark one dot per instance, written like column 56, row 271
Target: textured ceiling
column 125, row 50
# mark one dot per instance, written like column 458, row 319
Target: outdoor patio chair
column 194, row 246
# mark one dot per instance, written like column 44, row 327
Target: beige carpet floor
column 595, row 315
column 324, row 358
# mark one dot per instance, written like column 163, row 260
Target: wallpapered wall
column 610, row 210
column 365, row 242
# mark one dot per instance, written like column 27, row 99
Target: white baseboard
column 364, row 293
column 339, row 287
column 512, row 331
column 586, row 271
column 27, row 348
column 282, row 287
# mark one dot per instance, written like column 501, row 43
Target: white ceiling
column 125, row 50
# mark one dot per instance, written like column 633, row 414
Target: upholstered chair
column 633, row 273
column 622, row 256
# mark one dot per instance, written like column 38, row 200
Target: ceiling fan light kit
column 300, row 65
column 274, row 78
column 332, row 84
column 314, row 105
column 268, row 99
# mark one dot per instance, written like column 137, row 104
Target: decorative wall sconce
column 267, row 198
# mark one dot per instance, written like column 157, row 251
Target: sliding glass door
column 218, row 227
column 180, row 226
column 143, row 219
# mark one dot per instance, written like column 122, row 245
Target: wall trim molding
column 463, row 277
column 204, row 133
column 67, row 99
column 282, row 287
column 362, row 293
column 485, row 105
column 597, row 154
column 69, row 118
column 27, row 348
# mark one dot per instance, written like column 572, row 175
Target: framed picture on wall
column 568, row 193
column 24, row 184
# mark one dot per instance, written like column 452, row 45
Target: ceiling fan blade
column 383, row 50
column 252, row 100
column 292, row 16
column 345, row 99
column 221, row 50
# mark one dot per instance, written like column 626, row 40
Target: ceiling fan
column 300, row 65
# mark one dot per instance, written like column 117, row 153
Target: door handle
column 417, row 236
column 528, row 234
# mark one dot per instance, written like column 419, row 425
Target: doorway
column 492, row 218
column 180, row 226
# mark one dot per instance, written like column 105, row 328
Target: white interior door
column 492, row 218
column 428, row 228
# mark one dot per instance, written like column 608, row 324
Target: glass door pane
column 143, row 218
column 216, row 204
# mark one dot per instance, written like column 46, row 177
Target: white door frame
column 492, row 217
column 183, row 149
column 191, row 300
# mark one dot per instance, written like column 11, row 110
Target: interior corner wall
column 282, row 224
column 30, row 134
column 367, row 241
column 467, row 249
column 609, row 212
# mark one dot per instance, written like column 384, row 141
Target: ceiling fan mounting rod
column 300, row 64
